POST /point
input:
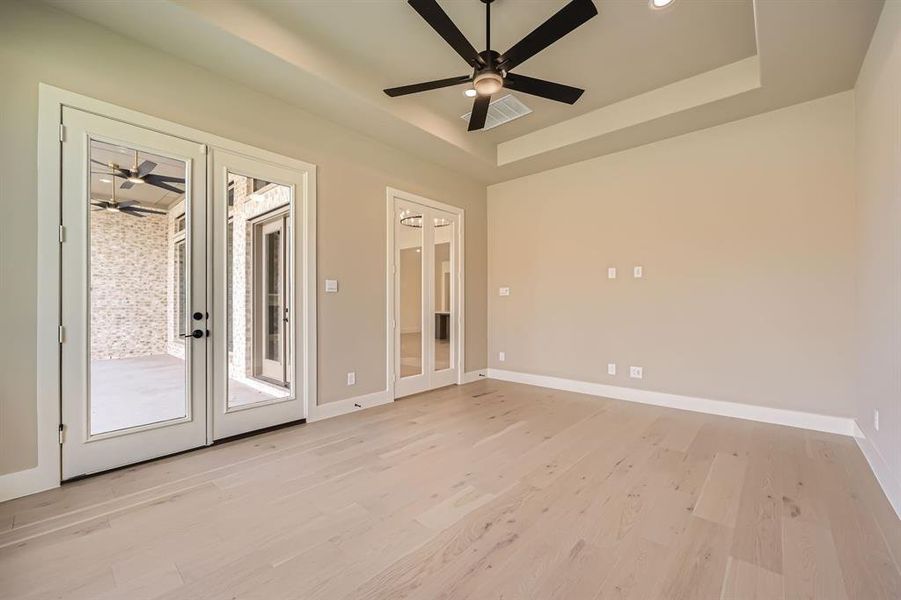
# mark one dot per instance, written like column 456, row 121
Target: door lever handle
column 197, row 334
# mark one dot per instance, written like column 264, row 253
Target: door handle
column 197, row 334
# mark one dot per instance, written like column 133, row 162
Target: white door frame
column 458, row 302
column 47, row 470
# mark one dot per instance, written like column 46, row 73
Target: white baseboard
column 890, row 485
column 764, row 414
column 348, row 405
column 471, row 376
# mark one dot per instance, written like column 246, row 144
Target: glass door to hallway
column 426, row 297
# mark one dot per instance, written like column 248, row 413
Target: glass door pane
column 409, row 229
column 442, row 309
column 258, row 286
column 138, row 286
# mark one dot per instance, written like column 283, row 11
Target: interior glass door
column 133, row 306
column 255, row 381
column 425, row 297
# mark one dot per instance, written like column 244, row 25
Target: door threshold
column 233, row 438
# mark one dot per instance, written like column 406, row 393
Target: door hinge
column 62, row 433
column 62, row 132
column 62, row 334
column 62, row 234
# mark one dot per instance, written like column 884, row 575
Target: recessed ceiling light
column 660, row 3
column 470, row 93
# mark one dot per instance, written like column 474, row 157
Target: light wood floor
column 490, row 490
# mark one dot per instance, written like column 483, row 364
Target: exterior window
column 180, row 223
column 259, row 184
column 180, row 299
column 229, row 275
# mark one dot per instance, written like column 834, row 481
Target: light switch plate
column 331, row 286
column 611, row 368
column 638, row 272
column 611, row 272
column 504, row 291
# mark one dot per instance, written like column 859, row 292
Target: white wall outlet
column 502, row 356
column 635, row 372
column 611, row 368
column 637, row 272
column 504, row 291
column 331, row 286
column 351, row 378
column 876, row 419
column 611, row 272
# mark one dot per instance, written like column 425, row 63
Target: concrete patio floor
column 128, row 392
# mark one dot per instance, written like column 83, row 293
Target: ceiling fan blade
column 138, row 209
column 163, row 185
column 126, row 185
column 100, row 203
column 479, row 112
column 542, row 88
column 564, row 21
column 440, row 22
column 164, row 178
column 131, row 212
column 126, row 203
column 146, row 167
column 425, row 86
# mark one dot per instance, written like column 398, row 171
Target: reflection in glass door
column 425, row 297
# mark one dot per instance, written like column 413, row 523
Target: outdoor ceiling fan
column 491, row 70
column 142, row 173
column 127, row 207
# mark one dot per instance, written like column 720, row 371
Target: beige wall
column 745, row 235
column 39, row 44
column 878, row 120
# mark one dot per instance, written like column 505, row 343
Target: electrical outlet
column 876, row 419
column 351, row 378
column 611, row 272
column 502, row 356
column 611, row 368
column 635, row 372
column 637, row 272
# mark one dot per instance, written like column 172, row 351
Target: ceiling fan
column 142, row 173
column 491, row 70
column 127, row 207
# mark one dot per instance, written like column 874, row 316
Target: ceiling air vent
column 503, row 111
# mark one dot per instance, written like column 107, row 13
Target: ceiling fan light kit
column 487, row 83
column 491, row 70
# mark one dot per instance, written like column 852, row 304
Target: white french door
column 185, row 311
column 133, row 314
column 261, row 312
column 426, row 261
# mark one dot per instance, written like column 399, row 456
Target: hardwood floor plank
column 489, row 490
